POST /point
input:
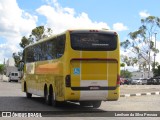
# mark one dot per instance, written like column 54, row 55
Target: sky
column 19, row 17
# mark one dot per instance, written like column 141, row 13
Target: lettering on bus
column 94, row 41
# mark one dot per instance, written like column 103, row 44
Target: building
column 139, row 74
column 10, row 66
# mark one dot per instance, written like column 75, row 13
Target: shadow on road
column 66, row 106
column 37, row 104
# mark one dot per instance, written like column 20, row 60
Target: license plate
column 94, row 88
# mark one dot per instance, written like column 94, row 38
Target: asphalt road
column 12, row 99
column 130, row 89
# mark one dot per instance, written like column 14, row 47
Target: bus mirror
column 21, row 66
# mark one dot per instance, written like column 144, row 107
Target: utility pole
column 149, row 55
column 4, row 62
column 155, row 52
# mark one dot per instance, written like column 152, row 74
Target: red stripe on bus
column 104, row 59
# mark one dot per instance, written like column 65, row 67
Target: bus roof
column 93, row 30
column 45, row 39
column 74, row 31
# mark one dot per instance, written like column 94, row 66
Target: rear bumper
column 84, row 94
column 90, row 88
column 14, row 79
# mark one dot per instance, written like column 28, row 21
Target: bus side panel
column 30, row 79
column 50, row 73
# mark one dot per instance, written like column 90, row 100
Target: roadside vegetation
column 2, row 68
column 37, row 34
column 141, row 46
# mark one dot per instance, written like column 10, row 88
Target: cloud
column 6, row 51
column 129, row 53
column 144, row 14
column 60, row 19
column 14, row 21
column 14, row 24
column 119, row 27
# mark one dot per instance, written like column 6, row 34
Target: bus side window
column 53, row 49
column 60, row 46
column 49, row 51
column 30, row 54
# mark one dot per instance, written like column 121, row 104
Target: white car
column 14, row 76
column 136, row 81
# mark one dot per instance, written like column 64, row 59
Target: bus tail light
column 115, row 33
column 118, row 79
column 68, row 81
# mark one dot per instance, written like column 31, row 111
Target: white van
column 14, row 76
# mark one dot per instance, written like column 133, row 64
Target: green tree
column 154, row 65
column 24, row 42
column 156, row 72
column 130, row 61
column 2, row 67
column 126, row 74
column 122, row 65
column 17, row 57
column 141, row 41
column 40, row 33
column 37, row 33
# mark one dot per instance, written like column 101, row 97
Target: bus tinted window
column 47, row 50
column 93, row 41
column 30, row 54
column 16, row 74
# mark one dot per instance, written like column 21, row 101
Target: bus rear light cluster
column 118, row 79
column 115, row 33
column 68, row 81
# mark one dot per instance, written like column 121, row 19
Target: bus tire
column 28, row 95
column 96, row 104
column 48, row 99
column 55, row 103
column 85, row 103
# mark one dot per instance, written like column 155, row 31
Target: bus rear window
column 93, row 41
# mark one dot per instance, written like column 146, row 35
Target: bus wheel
column 47, row 97
column 96, row 104
column 54, row 102
column 28, row 95
column 85, row 103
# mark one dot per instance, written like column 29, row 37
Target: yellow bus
column 78, row 65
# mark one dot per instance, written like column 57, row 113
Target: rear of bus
column 93, row 71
